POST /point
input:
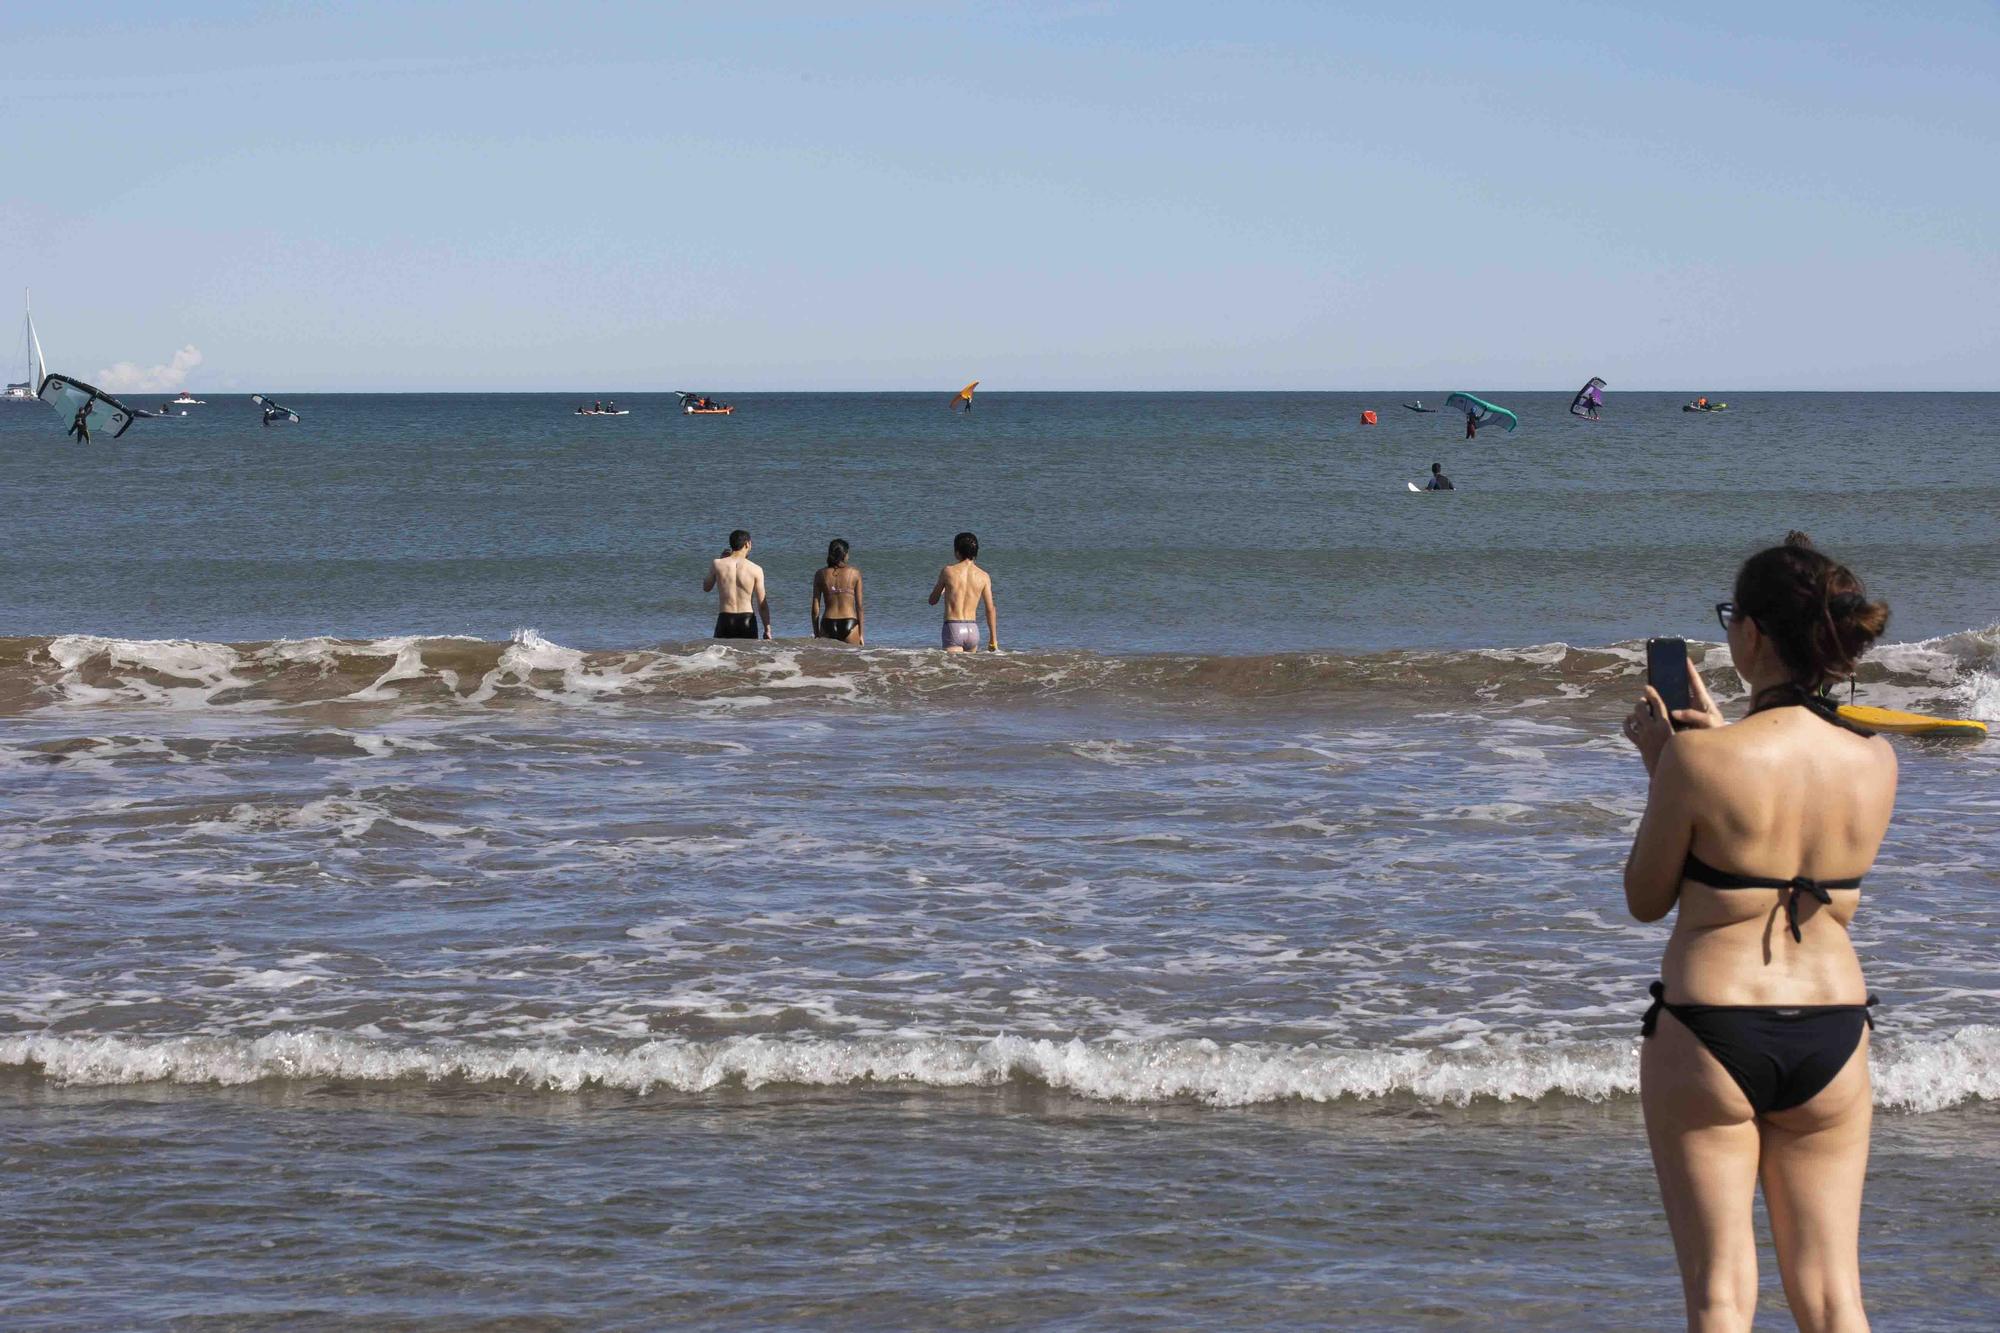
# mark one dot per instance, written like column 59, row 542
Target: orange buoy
column 1367, row 418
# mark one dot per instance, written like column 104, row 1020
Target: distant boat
column 25, row 391
column 187, row 399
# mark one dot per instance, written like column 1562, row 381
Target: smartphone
column 1667, row 672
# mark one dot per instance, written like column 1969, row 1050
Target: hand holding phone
column 1667, row 672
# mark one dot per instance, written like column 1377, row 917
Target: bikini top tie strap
column 1799, row 884
column 1658, row 990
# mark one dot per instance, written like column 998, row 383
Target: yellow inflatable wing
column 965, row 395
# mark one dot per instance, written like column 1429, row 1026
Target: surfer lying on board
column 738, row 583
column 966, row 588
column 1439, row 481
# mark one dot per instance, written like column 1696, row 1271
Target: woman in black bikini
column 836, row 598
column 1755, row 1063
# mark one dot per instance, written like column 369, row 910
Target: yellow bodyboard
column 1911, row 724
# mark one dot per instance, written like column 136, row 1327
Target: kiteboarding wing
column 1486, row 413
column 73, row 398
column 1589, row 398
column 273, row 412
column 964, row 395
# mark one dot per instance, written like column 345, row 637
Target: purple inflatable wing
column 1588, row 399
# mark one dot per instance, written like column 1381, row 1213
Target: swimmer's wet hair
column 1813, row 609
column 836, row 553
column 739, row 539
column 965, row 546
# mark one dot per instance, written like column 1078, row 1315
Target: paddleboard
column 1912, row 724
column 1413, row 486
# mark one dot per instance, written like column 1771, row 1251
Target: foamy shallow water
column 1307, row 977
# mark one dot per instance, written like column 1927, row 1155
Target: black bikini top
column 1701, row 872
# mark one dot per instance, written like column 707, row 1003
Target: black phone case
column 1669, row 675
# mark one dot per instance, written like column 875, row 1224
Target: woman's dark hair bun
column 1814, row 610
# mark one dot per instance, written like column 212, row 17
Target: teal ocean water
column 417, row 921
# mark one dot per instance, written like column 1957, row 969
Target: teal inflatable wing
column 86, row 410
column 1487, row 413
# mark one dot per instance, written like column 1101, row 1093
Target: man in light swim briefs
column 965, row 588
column 738, row 583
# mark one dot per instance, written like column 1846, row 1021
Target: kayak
column 621, row 412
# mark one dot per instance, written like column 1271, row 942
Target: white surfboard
column 1413, row 486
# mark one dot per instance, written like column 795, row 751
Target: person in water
column 836, row 598
column 1471, row 425
column 738, row 583
column 966, row 589
column 1755, row 1063
column 79, row 426
column 1439, row 481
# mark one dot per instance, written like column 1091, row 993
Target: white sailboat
column 24, row 392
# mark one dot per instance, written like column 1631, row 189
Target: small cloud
column 129, row 377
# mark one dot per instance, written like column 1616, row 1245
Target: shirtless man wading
column 965, row 588
column 738, row 583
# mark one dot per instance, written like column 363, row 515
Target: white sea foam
column 1917, row 1076
column 193, row 672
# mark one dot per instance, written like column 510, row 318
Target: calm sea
column 414, row 921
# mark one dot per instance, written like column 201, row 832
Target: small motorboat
column 1704, row 407
column 694, row 411
column 701, row 405
column 187, row 399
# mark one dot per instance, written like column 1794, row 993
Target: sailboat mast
column 37, row 367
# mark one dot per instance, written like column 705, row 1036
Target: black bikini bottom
column 736, row 625
column 836, row 629
column 1780, row 1056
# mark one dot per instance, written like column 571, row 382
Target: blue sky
column 589, row 198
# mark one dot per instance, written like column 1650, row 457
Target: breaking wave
column 1910, row 1075
column 1957, row 674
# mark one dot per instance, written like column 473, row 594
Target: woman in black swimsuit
column 836, row 598
column 1755, row 1063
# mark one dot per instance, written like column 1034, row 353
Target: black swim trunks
column 836, row 628
column 736, row 625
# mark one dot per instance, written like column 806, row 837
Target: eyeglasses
column 1725, row 612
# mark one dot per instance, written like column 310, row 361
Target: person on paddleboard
column 1439, row 481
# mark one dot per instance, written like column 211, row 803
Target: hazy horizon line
column 950, row 393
